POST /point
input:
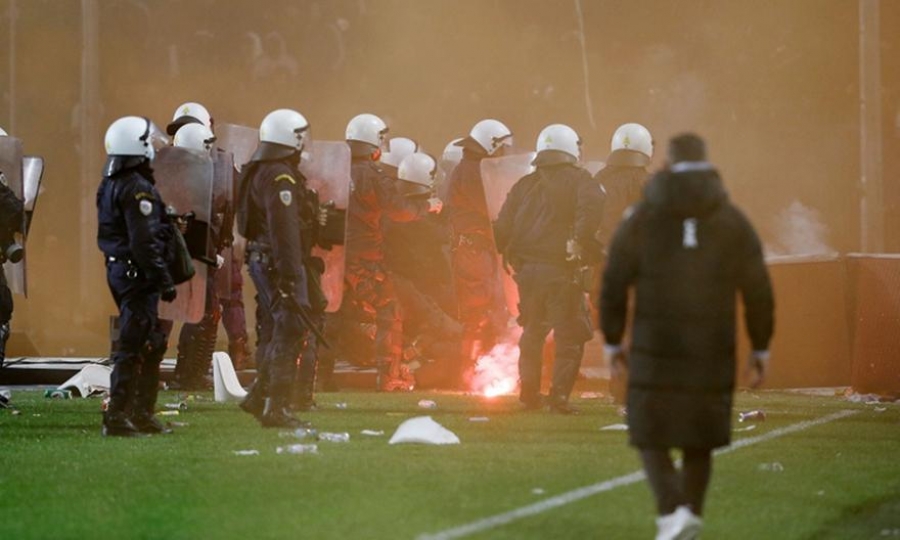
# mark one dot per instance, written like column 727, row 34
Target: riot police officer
column 545, row 229
column 473, row 259
column 134, row 235
column 12, row 219
column 373, row 196
column 277, row 215
column 625, row 173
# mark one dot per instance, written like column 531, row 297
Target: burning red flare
column 497, row 372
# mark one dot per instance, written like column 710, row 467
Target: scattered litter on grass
column 537, row 491
column 178, row 424
column 5, row 396
column 879, row 409
column 427, row 404
column 298, row 449
column 16, row 412
column 177, row 406
column 615, row 427
column 58, row 394
column 334, row 437
column 890, row 532
column 622, row 411
column 591, row 395
column 479, row 419
column 868, row 399
column 751, row 427
column 758, row 415
column 341, row 405
column 246, row 452
column 168, row 413
column 775, row 466
column 820, row 492
column 424, row 430
column 36, row 414
column 372, row 432
column 300, row 433
column 395, row 413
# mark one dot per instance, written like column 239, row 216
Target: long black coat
column 687, row 251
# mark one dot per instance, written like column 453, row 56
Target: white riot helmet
column 398, row 149
column 286, row 127
column 452, row 152
column 633, row 137
column 130, row 136
column 3, row 133
column 367, row 128
column 189, row 113
column 491, row 135
column 194, row 137
column 417, row 169
column 559, row 138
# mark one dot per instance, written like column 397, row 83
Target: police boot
column 255, row 401
column 276, row 414
column 304, row 395
column 146, row 389
column 117, row 424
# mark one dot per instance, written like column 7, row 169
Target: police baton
column 305, row 316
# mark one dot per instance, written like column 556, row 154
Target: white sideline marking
column 608, row 485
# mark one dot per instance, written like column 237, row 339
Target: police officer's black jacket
column 373, row 197
column 687, row 251
column 466, row 205
column 544, row 210
column 277, row 212
column 12, row 218
column 623, row 178
column 133, row 225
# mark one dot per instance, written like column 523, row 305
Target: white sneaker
column 681, row 524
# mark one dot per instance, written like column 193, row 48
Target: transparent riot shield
column 184, row 179
column 223, row 216
column 32, row 174
column 241, row 141
column 498, row 176
column 11, row 166
column 327, row 170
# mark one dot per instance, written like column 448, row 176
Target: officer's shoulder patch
column 286, row 197
column 145, row 206
column 285, row 177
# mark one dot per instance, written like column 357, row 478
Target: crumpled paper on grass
column 423, row 430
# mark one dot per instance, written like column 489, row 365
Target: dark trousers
column 549, row 299
column 673, row 488
column 264, row 323
column 232, row 305
column 373, row 292
column 6, row 311
column 134, row 382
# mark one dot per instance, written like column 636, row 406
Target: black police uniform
column 374, row 197
column 275, row 215
column 474, row 261
column 11, row 222
column 556, row 203
column 134, row 234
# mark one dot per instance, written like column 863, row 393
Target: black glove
column 169, row 293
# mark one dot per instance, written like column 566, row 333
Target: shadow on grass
column 877, row 518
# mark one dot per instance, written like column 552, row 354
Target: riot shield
column 184, row 179
column 327, row 170
column 594, row 167
column 223, row 216
column 498, row 176
column 11, row 166
column 241, row 141
column 32, row 174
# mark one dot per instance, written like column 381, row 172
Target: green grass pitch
column 60, row 479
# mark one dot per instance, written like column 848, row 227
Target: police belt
column 258, row 252
column 131, row 272
column 474, row 240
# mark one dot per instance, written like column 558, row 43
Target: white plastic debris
column 775, row 466
column 751, row 427
column 591, row 395
column 226, row 386
column 479, row 419
column 423, row 430
column 246, row 452
column 427, row 404
column 372, row 432
column 298, row 449
column 92, row 379
column 879, row 409
column 615, row 427
column 537, row 491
